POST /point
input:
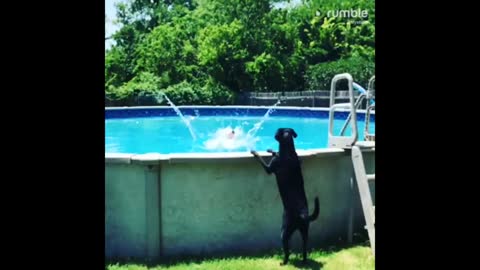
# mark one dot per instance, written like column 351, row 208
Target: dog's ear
column 294, row 133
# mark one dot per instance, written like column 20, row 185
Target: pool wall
column 159, row 206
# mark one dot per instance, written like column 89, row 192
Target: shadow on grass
column 310, row 264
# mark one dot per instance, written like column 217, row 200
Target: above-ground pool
column 170, row 192
column 207, row 129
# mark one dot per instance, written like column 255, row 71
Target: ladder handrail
column 366, row 132
column 370, row 89
column 341, row 141
column 370, row 96
column 349, row 117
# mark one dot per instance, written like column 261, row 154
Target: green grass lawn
column 355, row 258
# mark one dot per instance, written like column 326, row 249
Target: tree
column 229, row 46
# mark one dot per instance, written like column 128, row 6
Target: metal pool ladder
column 342, row 141
column 365, row 196
column 350, row 142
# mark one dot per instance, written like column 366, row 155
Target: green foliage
column 220, row 95
column 267, row 71
column 185, row 93
column 182, row 93
column 222, row 53
column 319, row 76
column 206, row 51
column 141, row 90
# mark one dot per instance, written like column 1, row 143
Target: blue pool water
column 140, row 134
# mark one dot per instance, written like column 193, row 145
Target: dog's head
column 285, row 135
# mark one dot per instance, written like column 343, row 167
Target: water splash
column 253, row 131
column 179, row 113
column 224, row 140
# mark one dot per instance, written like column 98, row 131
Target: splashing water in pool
column 233, row 139
column 230, row 139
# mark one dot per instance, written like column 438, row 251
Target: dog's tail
column 316, row 211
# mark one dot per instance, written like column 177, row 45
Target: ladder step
column 369, row 137
column 365, row 144
column 371, row 177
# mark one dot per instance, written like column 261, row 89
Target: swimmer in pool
column 231, row 134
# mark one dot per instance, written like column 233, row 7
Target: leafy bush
column 319, row 76
column 141, row 90
column 218, row 93
column 145, row 90
column 182, row 94
column 211, row 93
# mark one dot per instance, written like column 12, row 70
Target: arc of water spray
column 179, row 113
column 258, row 125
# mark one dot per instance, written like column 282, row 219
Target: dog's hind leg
column 287, row 232
column 304, row 233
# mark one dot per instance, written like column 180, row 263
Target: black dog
column 286, row 167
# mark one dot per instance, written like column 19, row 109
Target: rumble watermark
column 361, row 14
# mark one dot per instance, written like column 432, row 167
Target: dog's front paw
column 271, row 152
